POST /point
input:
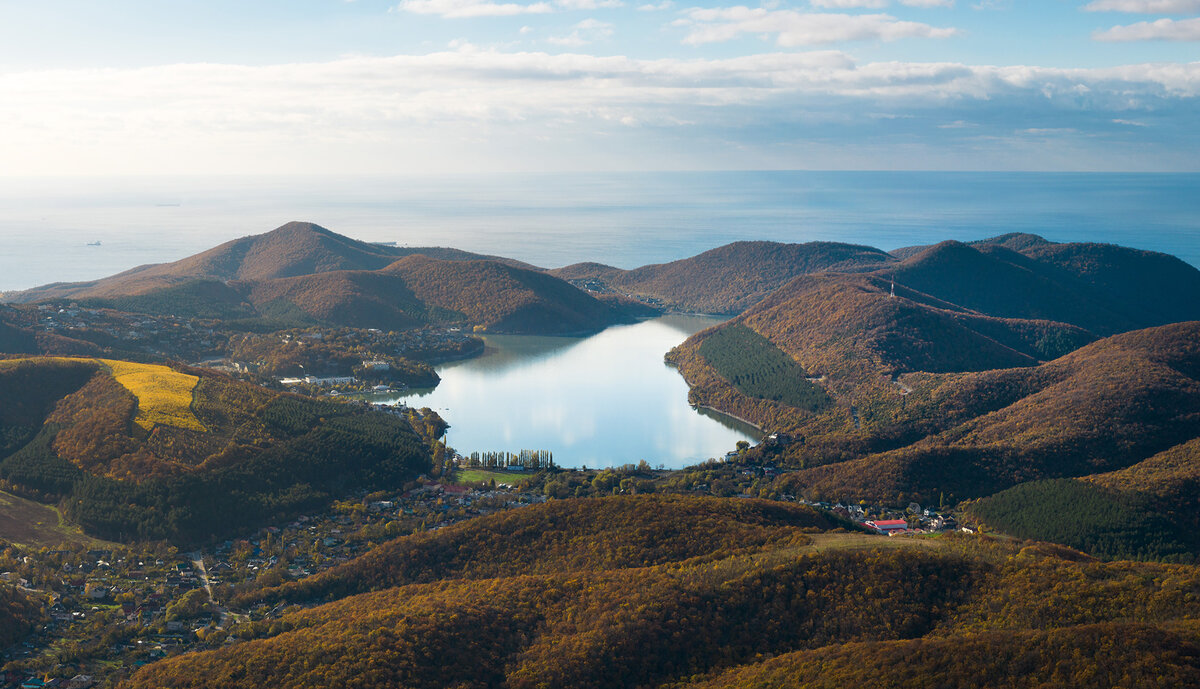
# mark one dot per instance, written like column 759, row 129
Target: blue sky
column 411, row 86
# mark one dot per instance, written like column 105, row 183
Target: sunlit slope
column 149, row 451
column 164, row 395
column 671, row 611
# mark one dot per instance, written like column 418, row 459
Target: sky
column 225, row 87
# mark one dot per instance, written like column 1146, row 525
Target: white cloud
column 846, row 4
column 1160, row 30
column 1144, row 6
column 1130, row 123
column 412, row 111
column 793, row 28
column 466, row 9
column 463, row 9
column 878, row 4
column 657, row 7
column 588, row 4
column 585, row 32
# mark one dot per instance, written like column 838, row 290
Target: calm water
column 625, row 220
column 599, row 401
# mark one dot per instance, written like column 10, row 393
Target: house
column 376, row 365
column 888, row 526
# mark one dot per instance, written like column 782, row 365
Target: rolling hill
column 985, row 370
column 302, row 274
column 293, row 249
column 154, row 452
column 1099, row 287
column 762, row 595
column 730, row 278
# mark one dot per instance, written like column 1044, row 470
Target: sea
column 73, row 229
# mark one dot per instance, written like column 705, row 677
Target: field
column 473, row 476
column 34, row 525
column 164, row 396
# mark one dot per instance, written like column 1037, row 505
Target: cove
column 604, row 400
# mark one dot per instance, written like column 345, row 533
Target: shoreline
column 732, row 416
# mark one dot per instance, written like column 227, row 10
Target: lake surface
column 623, row 219
column 603, row 400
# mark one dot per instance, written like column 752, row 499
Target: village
column 215, row 344
column 112, row 610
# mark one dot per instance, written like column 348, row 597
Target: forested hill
column 418, row 290
column 302, row 275
column 561, row 536
column 1103, row 288
column 730, row 278
column 153, row 452
column 759, row 595
column 18, row 615
column 1100, row 287
column 930, row 402
column 17, row 338
column 296, row 248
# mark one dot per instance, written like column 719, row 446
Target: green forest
column 1082, row 515
column 760, row 369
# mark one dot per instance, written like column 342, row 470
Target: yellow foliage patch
column 164, row 396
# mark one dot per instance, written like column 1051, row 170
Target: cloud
column 588, row 4
column 449, row 109
column 463, row 9
column 466, row 9
column 1160, row 30
column 585, row 32
column 1144, row 6
column 657, row 7
column 877, row 4
column 792, row 28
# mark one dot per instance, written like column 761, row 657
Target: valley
column 988, row 445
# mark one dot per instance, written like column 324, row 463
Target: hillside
column 658, row 615
column 568, row 535
column 151, row 452
column 1103, row 288
column 920, row 385
column 1148, row 510
column 18, row 615
column 728, row 279
column 293, row 249
column 16, row 337
column 302, row 274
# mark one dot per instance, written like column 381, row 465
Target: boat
column 95, row 243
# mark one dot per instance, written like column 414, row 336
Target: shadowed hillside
column 743, row 600
column 731, row 278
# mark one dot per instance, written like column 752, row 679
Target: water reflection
column 603, row 400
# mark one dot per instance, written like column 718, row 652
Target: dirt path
column 198, row 565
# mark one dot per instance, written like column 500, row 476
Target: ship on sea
column 95, row 243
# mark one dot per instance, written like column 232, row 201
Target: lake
column 597, row 401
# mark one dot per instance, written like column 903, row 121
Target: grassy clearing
column 32, row 524
column 473, row 476
column 861, row 541
column 164, row 395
